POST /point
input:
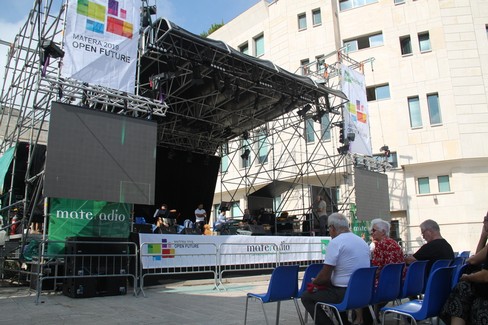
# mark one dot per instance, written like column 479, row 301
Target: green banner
column 359, row 227
column 81, row 218
column 5, row 162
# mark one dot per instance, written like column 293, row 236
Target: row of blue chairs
column 360, row 292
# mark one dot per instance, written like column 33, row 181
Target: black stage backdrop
column 183, row 180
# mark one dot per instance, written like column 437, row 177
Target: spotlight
column 351, row 136
column 318, row 116
column 343, row 149
column 51, row 49
column 147, row 12
column 302, row 112
column 246, row 153
column 245, row 135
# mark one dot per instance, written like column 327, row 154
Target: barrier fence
column 93, row 268
column 85, row 268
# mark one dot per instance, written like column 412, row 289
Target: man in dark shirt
column 436, row 248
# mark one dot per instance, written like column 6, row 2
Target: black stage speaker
column 143, row 228
column 80, row 288
column 95, row 266
column 257, row 230
column 192, row 231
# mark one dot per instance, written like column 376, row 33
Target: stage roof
column 215, row 92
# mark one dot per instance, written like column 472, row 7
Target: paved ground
column 174, row 302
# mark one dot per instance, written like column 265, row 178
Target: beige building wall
column 456, row 68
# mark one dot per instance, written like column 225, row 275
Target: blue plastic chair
column 283, row 285
column 389, row 286
column 459, row 260
column 436, row 293
column 436, row 265
column 413, row 284
column 465, row 254
column 310, row 272
column 358, row 293
column 458, row 271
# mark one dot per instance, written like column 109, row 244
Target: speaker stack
column 91, row 270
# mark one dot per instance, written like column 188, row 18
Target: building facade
column 426, row 69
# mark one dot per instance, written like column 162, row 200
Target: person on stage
column 200, row 215
column 320, row 212
column 159, row 219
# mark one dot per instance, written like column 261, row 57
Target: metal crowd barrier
column 266, row 256
column 180, row 263
column 105, row 259
column 225, row 258
column 92, row 260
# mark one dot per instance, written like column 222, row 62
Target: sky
column 195, row 16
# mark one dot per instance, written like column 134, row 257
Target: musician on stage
column 200, row 215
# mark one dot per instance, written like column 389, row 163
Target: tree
column 212, row 29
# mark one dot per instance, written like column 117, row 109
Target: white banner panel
column 356, row 116
column 101, row 42
column 163, row 250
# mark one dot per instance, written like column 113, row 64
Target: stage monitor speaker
column 80, row 288
column 192, row 231
column 143, row 228
column 257, row 230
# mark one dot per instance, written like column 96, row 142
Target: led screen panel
column 95, row 155
column 372, row 199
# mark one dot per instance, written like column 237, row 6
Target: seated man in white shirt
column 346, row 252
column 220, row 222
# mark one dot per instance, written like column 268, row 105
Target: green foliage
column 212, row 29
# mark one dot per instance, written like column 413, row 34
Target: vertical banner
column 356, row 116
column 80, row 218
column 101, row 41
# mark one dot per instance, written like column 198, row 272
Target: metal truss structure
column 295, row 164
column 201, row 92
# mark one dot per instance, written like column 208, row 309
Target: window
column 443, row 182
column 309, row 133
column 424, row 42
column 414, row 112
column 325, row 126
column 434, row 109
column 263, row 146
column 259, row 45
column 397, row 2
column 302, row 21
column 349, row 4
column 224, row 163
column 235, row 210
column 364, row 42
column 406, row 45
column 378, row 92
column 244, row 48
column 304, row 64
column 423, row 184
column 316, row 17
column 486, row 27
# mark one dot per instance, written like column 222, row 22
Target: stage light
column 302, row 112
column 147, row 12
column 351, row 136
column 49, row 50
column 318, row 116
column 246, row 153
column 343, row 149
